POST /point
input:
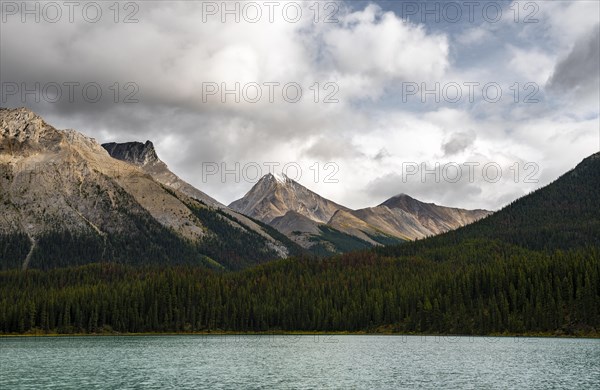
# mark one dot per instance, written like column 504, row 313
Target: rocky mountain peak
column 274, row 195
column 137, row 153
column 23, row 125
column 276, row 178
column 403, row 201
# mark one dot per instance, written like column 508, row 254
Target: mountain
column 65, row 201
column 532, row 269
column 324, row 226
column 409, row 218
column 302, row 215
column 144, row 156
column 273, row 196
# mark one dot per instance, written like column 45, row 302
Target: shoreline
column 300, row 333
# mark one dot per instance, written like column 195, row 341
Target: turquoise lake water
column 298, row 362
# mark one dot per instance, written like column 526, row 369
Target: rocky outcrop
column 134, row 152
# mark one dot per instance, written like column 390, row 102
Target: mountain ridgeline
column 325, row 227
column 499, row 275
column 65, row 201
column 561, row 216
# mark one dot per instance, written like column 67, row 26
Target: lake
column 297, row 362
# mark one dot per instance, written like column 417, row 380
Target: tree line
column 499, row 289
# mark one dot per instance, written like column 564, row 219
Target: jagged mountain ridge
column 104, row 192
column 64, row 199
column 137, row 153
column 299, row 212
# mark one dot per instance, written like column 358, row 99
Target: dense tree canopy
column 489, row 288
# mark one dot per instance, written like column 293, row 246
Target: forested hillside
column 490, row 288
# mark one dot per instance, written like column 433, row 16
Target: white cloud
column 473, row 36
column 383, row 46
column 531, row 64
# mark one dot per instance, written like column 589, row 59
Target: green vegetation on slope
column 149, row 243
column 13, row 250
column 332, row 241
column 385, row 239
column 146, row 242
column 499, row 289
column 232, row 247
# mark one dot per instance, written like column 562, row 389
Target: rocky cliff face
column 22, row 128
column 51, row 169
column 137, row 153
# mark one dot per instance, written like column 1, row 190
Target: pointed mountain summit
column 273, row 196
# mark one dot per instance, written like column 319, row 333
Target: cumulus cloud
column 458, row 142
column 473, row 36
column 384, row 47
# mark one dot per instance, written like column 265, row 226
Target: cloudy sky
column 461, row 105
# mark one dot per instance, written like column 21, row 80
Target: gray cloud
column 381, row 155
column 458, row 142
column 579, row 71
column 442, row 193
column 331, row 148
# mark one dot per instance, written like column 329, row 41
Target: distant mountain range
column 67, row 200
column 324, row 226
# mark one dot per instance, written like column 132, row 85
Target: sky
column 464, row 104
